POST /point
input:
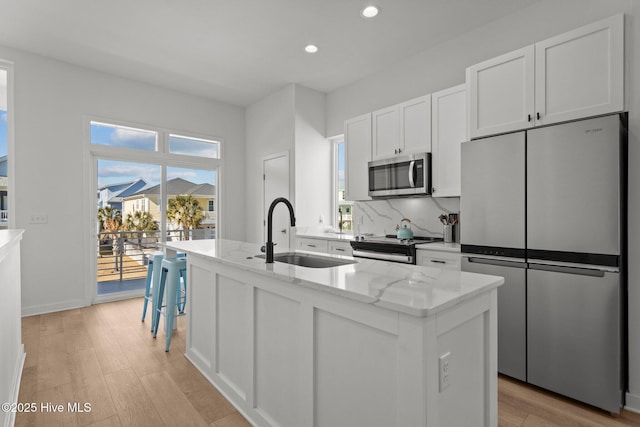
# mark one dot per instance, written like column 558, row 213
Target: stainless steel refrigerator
column 546, row 209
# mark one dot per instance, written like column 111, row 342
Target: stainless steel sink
column 309, row 260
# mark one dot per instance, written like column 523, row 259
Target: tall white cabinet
column 576, row 74
column 449, row 130
column 357, row 139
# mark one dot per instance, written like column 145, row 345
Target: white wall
column 291, row 119
column 313, row 178
column 51, row 98
column 444, row 66
column 270, row 129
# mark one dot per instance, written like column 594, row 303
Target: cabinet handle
column 528, row 117
column 538, row 116
column 399, row 150
column 438, row 261
column 433, row 190
column 395, row 151
column 339, row 249
column 311, row 246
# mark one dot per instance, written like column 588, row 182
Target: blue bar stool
column 153, row 277
column 173, row 278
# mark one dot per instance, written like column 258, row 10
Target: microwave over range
column 398, row 176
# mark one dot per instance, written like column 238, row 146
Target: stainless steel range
column 389, row 248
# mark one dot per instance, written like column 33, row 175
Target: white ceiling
column 239, row 51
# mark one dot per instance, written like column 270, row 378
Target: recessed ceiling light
column 370, row 11
column 311, row 48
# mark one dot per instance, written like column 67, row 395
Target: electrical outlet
column 445, row 370
column 39, row 218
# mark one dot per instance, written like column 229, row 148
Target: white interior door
column 276, row 184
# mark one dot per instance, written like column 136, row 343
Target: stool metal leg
column 157, row 309
column 172, row 288
column 147, row 291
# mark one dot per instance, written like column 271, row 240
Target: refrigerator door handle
column 567, row 270
column 491, row 261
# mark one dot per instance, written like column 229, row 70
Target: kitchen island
column 366, row 344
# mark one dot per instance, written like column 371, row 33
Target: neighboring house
column 4, row 195
column 112, row 195
column 146, row 200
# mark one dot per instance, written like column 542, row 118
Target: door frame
column 265, row 159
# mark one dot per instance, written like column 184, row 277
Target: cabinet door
column 581, row 73
column 385, row 133
column 449, row 122
column 415, row 125
column 340, row 248
column 313, row 245
column 437, row 259
column 357, row 137
column 501, row 93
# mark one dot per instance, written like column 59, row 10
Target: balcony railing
column 124, row 255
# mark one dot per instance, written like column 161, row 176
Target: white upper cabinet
column 449, row 122
column 402, row 129
column 415, row 125
column 357, row 138
column 581, row 73
column 386, row 135
column 574, row 75
column 501, row 93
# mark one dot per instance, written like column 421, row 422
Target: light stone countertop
column 415, row 290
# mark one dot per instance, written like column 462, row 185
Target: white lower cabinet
column 339, row 248
column 440, row 259
column 313, row 245
column 334, row 247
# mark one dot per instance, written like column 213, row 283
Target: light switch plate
column 38, row 218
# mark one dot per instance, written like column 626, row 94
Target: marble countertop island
column 415, row 290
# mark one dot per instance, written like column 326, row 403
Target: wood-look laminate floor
column 104, row 356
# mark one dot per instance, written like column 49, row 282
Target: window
column 194, row 147
column 344, row 210
column 152, row 186
column 121, row 136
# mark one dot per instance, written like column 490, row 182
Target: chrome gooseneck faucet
column 269, row 245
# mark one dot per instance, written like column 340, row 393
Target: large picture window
column 152, row 186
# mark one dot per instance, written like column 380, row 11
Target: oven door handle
column 407, row 259
column 412, row 172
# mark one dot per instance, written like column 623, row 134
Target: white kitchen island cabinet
column 367, row 344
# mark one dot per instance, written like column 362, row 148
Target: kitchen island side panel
column 313, row 359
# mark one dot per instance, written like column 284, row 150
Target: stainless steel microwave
column 408, row 175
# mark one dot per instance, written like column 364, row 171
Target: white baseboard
column 633, row 403
column 51, row 308
column 15, row 387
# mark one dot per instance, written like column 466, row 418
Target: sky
column 111, row 172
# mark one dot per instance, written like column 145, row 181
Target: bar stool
column 173, row 278
column 153, row 276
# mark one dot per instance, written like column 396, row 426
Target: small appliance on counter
column 403, row 231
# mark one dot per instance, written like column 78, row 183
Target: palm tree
column 186, row 212
column 110, row 222
column 140, row 222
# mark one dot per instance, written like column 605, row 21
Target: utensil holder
column 448, row 233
